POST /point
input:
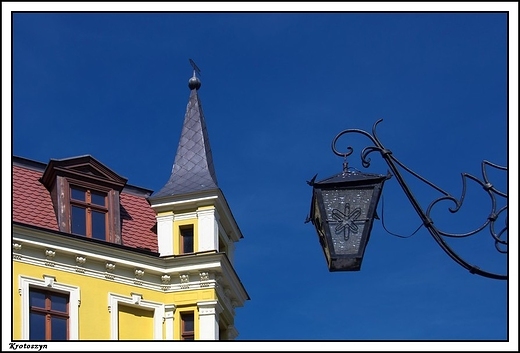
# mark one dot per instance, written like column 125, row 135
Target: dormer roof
column 82, row 167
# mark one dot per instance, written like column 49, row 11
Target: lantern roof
column 353, row 178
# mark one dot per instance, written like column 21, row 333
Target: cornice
column 103, row 261
column 214, row 197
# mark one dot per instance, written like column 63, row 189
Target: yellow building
column 95, row 258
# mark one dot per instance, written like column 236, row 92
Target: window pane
column 37, row 299
column 97, row 198
column 187, row 244
column 79, row 223
column 98, row 225
column 187, row 239
column 187, row 320
column 77, row 193
column 58, row 328
column 37, row 326
column 59, row 302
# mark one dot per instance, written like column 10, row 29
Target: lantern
column 343, row 208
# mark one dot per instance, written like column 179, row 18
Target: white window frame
column 49, row 283
column 134, row 300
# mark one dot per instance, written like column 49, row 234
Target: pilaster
column 207, row 229
column 208, row 320
column 165, row 234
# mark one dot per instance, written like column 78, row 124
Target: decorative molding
column 220, row 281
column 107, row 270
column 230, row 298
column 109, row 275
column 49, row 255
column 139, row 273
column 49, row 280
column 185, row 280
column 169, row 311
column 17, row 247
column 136, row 298
column 68, row 259
column 208, row 308
column 204, row 278
column 231, row 333
column 184, row 216
column 165, row 279
column 110, row 267
column 80, row 262
column 226, row 301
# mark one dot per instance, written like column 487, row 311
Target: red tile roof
column 32, row 202
column 138, row 229
column 32, row 205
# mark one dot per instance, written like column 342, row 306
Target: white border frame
column 136, row 301
column 49, row 283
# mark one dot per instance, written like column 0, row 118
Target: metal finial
column 195, row 67
column 194, row 82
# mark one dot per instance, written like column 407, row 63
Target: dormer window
column 85, row 196
column 89, row 212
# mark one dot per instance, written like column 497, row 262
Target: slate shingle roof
column 193, row 169
column 32, row 205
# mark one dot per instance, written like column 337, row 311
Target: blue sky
column 276, row 89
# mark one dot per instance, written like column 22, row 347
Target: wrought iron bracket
column 499, row 236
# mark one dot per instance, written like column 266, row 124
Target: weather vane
column 195, row 67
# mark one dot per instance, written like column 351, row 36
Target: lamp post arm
column 392, row 163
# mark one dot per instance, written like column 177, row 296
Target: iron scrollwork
column 498, row 233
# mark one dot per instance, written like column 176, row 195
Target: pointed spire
column 193, row 168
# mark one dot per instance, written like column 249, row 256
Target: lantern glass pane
column 319, row 227
column 346, row 213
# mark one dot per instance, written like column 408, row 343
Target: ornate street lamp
column 343, row 208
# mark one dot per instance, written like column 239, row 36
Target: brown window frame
column 89, row 208
column 50, row 313
column 187, row 335
column 183, row 236
column 85, row 172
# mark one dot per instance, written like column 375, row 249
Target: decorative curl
column 499, row 237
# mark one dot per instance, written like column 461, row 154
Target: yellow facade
column 130, row 318
column 94, row 317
